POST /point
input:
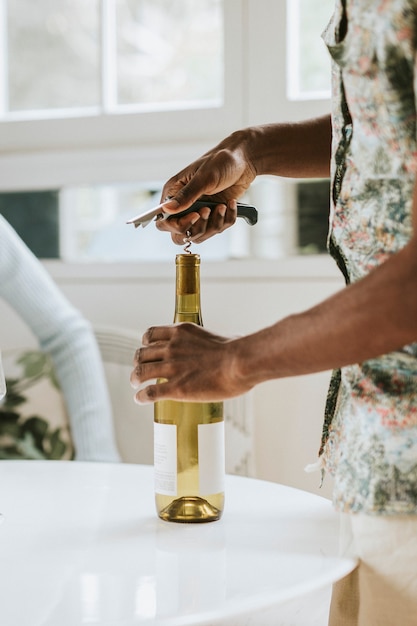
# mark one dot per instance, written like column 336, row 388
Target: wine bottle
column 188, row 436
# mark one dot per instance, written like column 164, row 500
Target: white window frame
column 118, row 146
column 152, row 145
column 141, row 147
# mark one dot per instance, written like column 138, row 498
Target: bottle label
column 211, row 458
column 165, row 459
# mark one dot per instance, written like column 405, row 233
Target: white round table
column 80, row 543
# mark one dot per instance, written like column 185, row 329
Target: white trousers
column 382, row 590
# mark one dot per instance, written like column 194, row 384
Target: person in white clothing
column 67, row 336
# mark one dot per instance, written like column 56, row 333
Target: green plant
column 30, row 437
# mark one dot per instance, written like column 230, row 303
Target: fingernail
column 222, row 210
column 171, row 204
column 205, row 213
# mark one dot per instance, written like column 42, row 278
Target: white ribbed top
column 68, row 337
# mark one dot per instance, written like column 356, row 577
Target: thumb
column 171, row 205
column 197, row 187
column 180, row 202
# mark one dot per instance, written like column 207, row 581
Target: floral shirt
column 370, row 431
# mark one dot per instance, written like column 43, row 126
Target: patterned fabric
column 370, row 433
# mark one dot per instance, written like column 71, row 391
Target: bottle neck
column 187, row 291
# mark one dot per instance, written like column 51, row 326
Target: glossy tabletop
column 80, row 543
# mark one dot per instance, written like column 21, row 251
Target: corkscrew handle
column 245, row 211
column 248, row 213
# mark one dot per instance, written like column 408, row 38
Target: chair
column 133, row 424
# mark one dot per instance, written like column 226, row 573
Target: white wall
column 237, row 297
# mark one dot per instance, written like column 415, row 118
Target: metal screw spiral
column 187, row 242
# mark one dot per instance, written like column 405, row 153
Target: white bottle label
column 211, row 458
column 165, row 459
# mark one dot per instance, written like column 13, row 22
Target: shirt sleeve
column 68, row 337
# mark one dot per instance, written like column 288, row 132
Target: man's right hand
column 222, row 174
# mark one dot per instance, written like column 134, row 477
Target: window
column 35, row 216
column 58, row 43
column 102, row 100
column 112, row 56
column 113, row 74
column 308, row 63
column 94, row 222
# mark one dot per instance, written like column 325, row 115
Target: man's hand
column 223, row 174
column 196, row 365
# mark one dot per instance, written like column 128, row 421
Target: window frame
column 47, row 153
column 62, row 140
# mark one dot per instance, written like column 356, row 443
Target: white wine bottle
column 189, row 436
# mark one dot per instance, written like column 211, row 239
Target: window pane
column 35, row 216
column 53, row 54
column 313, row 201
column 308, row 58
column 169, row 51
column 293, row 219
column 85, row 224
column 93, row 226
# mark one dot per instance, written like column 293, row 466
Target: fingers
column 160, row 391
column 183, row 362
column 148, row 394
column 178, row 226
column 160, row 361
column 183, row 190
column 150, row 366
column 219, row 219
column 153, row 342
column 210, row 177
column 202, row 225
column 153, row 393
column 154, row 359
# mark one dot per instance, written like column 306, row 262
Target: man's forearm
column 372, row 317
column 293, row 150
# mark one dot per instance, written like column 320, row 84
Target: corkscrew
column 187, row 241
column 245, row 211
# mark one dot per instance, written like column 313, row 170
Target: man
column 366, row 332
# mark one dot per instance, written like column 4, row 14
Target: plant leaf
column 58, row 447
column 34, row 364
column 38, row 428
column 29, row 449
